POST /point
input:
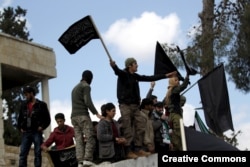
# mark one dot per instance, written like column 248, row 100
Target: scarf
column 164, row 129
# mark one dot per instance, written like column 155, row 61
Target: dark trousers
column 161, row 148
column 27, row 139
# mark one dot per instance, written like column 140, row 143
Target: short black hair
column 146, row 101
column 59, row 116
column 29, row 89
column 105, row 107
column 159, row 104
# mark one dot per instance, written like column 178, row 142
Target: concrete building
column 23, row 62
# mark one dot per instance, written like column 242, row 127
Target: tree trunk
column 207, row 20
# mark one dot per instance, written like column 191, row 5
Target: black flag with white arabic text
column 78, row 34
column 215, row 100
column 63, row 158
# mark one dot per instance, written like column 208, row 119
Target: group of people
column 143, row 128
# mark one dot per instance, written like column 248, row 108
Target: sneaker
column 142, row 153
column 131, row 155
column 88, row 163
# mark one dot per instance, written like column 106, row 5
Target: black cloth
column 215, row 100
column 199, row 141
column 163, row 64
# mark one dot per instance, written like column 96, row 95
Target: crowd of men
column 146, row 126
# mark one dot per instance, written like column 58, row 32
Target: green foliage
column 231, row 42
column 13, row 22
column 11, row 135
column 233, row 138
column 239, row 62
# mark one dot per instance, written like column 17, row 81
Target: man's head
column 159, row 107
column 131, row 64
column 147, row 104
column 29, row 93
column 60, row 119
column 173, row 81
column 87, row 76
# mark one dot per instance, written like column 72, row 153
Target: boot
column 131, row 155
column 142, row 153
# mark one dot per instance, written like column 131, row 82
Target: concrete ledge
column 150, row 161
column 11, row 158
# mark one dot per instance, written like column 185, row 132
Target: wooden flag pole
column 101, row 39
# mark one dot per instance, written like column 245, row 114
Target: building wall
column 27, row 56
column 33, row 60
column 11, row 157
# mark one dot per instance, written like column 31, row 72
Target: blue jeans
column 27, row 139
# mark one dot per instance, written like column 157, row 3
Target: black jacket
column 39, row 117
column 128, row 91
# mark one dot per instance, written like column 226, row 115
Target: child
column 108, row 135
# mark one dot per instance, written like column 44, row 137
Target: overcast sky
column 129, row 29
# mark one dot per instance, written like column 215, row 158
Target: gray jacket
column 106, row 139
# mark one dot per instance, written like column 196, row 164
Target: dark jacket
column 157, row 125
column 128, row 91
column 39, row 117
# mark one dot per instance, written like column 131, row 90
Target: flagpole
column 101, row 39
column 189, row 88
column 183, row 137
column 200, row 108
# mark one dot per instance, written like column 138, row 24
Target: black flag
column 215, row 100
column 63, row 158
column 199, row 141
column 78, row 34
column 190, row 70
column 163, row 64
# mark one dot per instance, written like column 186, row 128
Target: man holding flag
column 128, row 94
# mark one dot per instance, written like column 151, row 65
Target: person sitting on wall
column 63, row 135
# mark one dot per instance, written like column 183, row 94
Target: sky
column 128, row 29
